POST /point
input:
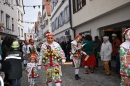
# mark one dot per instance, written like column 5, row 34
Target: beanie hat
column 15, row 45
column 114, row 35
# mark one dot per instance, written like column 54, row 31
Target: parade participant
column 32, row 70
column 25, row 55
column 76, row 54
column 15, row 58
column 52, row 54
column 125, row 59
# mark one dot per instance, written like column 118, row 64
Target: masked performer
column 125, row 59
column 76, row 53
column 32, row 70
column 53, row 55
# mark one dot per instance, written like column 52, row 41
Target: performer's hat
column 49, row 34
column 33, row 56
column 78, row 36
column 127, row 34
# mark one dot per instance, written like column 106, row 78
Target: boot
column 77, row 77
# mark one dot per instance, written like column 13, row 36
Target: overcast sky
column 31, row 13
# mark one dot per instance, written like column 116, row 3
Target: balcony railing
column 6, row 30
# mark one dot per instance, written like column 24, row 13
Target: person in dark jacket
column 97, row 47
column 15, row 58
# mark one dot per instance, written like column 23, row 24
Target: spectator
column 88, row 48
column 97, row 46
column 106, row 50
column 15, row 58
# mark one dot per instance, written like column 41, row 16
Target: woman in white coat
column 105, row 53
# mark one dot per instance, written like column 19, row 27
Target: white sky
column 31, row 13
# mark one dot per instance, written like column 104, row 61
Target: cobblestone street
column 92, row 79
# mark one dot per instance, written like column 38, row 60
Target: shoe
column 86, row 71
column 77, row 77
column 108, row 74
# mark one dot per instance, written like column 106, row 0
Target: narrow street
column 92, row 79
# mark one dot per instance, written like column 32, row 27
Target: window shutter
column 83, row 3
column 68, row 13
column 74, row 7
column 63, row 17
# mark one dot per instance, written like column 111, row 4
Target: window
column 68, row 13
column 11, row 2
column 18, row 15
column 78, row 4
column 17, row 2
column 61, row 23
column 22, row 17
column 21, row 32
column 12, row 24
column 2, row 16
column 63, row 17
column 7, row 21
column 57, row 23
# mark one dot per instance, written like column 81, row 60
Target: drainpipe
column 71, row 26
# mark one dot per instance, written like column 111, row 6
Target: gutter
column 71, row 25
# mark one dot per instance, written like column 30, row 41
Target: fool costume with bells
column 52, row 54
column 76, row 53
column 32, row 71
column 125, row 59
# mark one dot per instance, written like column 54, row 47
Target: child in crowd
column 32, row 71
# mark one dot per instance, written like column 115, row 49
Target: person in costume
column 24, row 50
column 52, row 55
column 125, row 59
column 32, row 70
column 76, row 53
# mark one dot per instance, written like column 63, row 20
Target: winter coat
column 97, row 46
column 115, row 45
column 88, row 47
column 15, row 71
column 106, row 50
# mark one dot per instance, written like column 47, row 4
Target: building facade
column 60, row 20
column 20, row 14
column 100, row 17
column 46, row 14
column 8, row 17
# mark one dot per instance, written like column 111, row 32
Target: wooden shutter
column 74, row 7
column 83, row 3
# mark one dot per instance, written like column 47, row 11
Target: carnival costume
column 52, row 56
column 76, row 53
column 125, row 59
column 32, row 71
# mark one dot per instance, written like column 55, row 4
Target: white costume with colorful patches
column 32, row 73
column 52, row 55
column 76, row 53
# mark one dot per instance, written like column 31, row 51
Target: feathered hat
column 33, row 56
column 49, row 34
column 78, row 37
column 127, row 34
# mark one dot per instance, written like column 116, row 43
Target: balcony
column 6, row 30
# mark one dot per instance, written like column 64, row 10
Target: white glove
column 63, row 60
